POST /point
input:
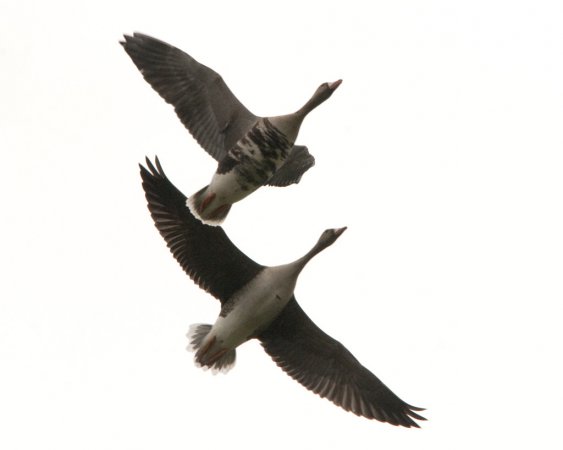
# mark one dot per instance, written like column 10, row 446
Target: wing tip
column 409, row 414
column 150, row 168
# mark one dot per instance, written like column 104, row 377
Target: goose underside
column 257, row 156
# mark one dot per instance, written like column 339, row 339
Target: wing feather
column 324, row 366
column 205, row 253
column 202, row 100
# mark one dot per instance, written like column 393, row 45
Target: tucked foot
column 205, row 206
column 208, row 352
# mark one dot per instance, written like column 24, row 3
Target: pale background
column 441, row 152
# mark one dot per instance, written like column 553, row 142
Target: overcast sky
column 441, row 152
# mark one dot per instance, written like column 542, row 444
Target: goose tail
column 208, row 351
column 205, row 206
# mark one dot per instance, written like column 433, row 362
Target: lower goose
column 258, row 302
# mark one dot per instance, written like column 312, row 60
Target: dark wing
column 205, row 253
column 297, row 163
column 202, row 100
column 324, row 366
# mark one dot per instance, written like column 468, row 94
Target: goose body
column 244, row 315
column 251, row 151
column 252, row 308
column 248, row 165
column 258, row 302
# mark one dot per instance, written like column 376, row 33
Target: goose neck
column 302, row 262
column 311, row 104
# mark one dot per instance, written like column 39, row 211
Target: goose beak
column 332, row 86
column 339, row 231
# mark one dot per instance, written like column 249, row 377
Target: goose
column 251, row 151
column 257, row 302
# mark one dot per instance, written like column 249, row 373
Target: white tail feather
column 197, row 343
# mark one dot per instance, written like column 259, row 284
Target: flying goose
column 258, row 302
column 251, row 150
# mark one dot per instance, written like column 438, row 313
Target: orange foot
column 216, row 356
column 206, row 201
column 220, row 212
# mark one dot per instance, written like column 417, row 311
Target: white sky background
column 441, row 152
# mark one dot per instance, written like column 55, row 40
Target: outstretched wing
column 205, row 253
column 324, row 366
column 203, row 102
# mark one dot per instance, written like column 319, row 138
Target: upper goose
column 251, row 150
column 258, row 302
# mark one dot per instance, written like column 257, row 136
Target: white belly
column 255, row 306
column 228, row 189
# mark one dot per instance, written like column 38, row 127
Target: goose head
column 327, row 238
column 289, row 124
column 322, row 94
